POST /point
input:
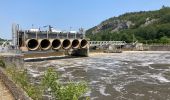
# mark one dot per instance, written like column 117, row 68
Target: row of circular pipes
column 56, row 44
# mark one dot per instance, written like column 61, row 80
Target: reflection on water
column 132, row 76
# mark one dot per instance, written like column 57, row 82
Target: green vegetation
column 2, row 64
column 147, row 26
column 21, row 78
column 69, row 91
column 1, row 41
column 50, row 82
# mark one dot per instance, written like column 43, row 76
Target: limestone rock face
column 148, row 22
column 115, row 26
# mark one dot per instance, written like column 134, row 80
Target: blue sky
column 63, row 14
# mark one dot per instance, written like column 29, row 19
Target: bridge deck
column 101, row 43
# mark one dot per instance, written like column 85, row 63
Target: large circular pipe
column 56, row 44
column 75, row 44
column 66, row 44
column 32, row 44
column 83, row 43
column 45, row 44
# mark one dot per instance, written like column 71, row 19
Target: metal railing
column 101, row 43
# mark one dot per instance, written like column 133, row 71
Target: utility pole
column 81, row 30
column 133, row 38
column 50, row 28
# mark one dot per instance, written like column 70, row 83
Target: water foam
column 102, row 91
column 160, row 78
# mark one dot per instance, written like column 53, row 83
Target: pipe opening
column 45, row 44
column 56, row 44
column 66, row 44
column 75, row 43
column 84, row 43
column 32, row 44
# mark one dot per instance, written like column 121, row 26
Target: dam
column 36, row 40
column 134, row 75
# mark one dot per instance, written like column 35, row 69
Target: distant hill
column 2, row 39
column 144, row 26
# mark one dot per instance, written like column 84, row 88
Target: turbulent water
column 122, row 76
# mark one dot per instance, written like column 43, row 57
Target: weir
column 73, row 44
column 33, row 41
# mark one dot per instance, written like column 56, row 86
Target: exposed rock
column 122, row 25
column 149, row 21
column 115, row 26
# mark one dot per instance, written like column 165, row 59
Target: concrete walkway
column 5, row 94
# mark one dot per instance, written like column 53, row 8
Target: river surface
column 121, row 76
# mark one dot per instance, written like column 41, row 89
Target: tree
column 164, row 40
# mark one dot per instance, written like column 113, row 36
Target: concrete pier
column 80, row 52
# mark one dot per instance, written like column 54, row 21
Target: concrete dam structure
column 45, row 41
column 54, row 44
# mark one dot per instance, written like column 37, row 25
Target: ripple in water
column 125, row 76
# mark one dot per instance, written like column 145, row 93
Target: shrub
column 21, row 78
column 2, row 64
column 69, row 91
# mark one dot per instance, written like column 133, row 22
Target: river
column 117, row 76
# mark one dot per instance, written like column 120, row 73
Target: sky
column 63, row 14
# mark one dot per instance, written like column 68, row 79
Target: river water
column 121, row 76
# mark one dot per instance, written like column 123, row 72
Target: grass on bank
column 50, row 82
column 21, row 78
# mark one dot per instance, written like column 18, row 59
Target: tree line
column 156, row 32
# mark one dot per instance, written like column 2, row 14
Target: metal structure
column 102, row 43
column 37, row 40
column 49, row 40
column 15, row 39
